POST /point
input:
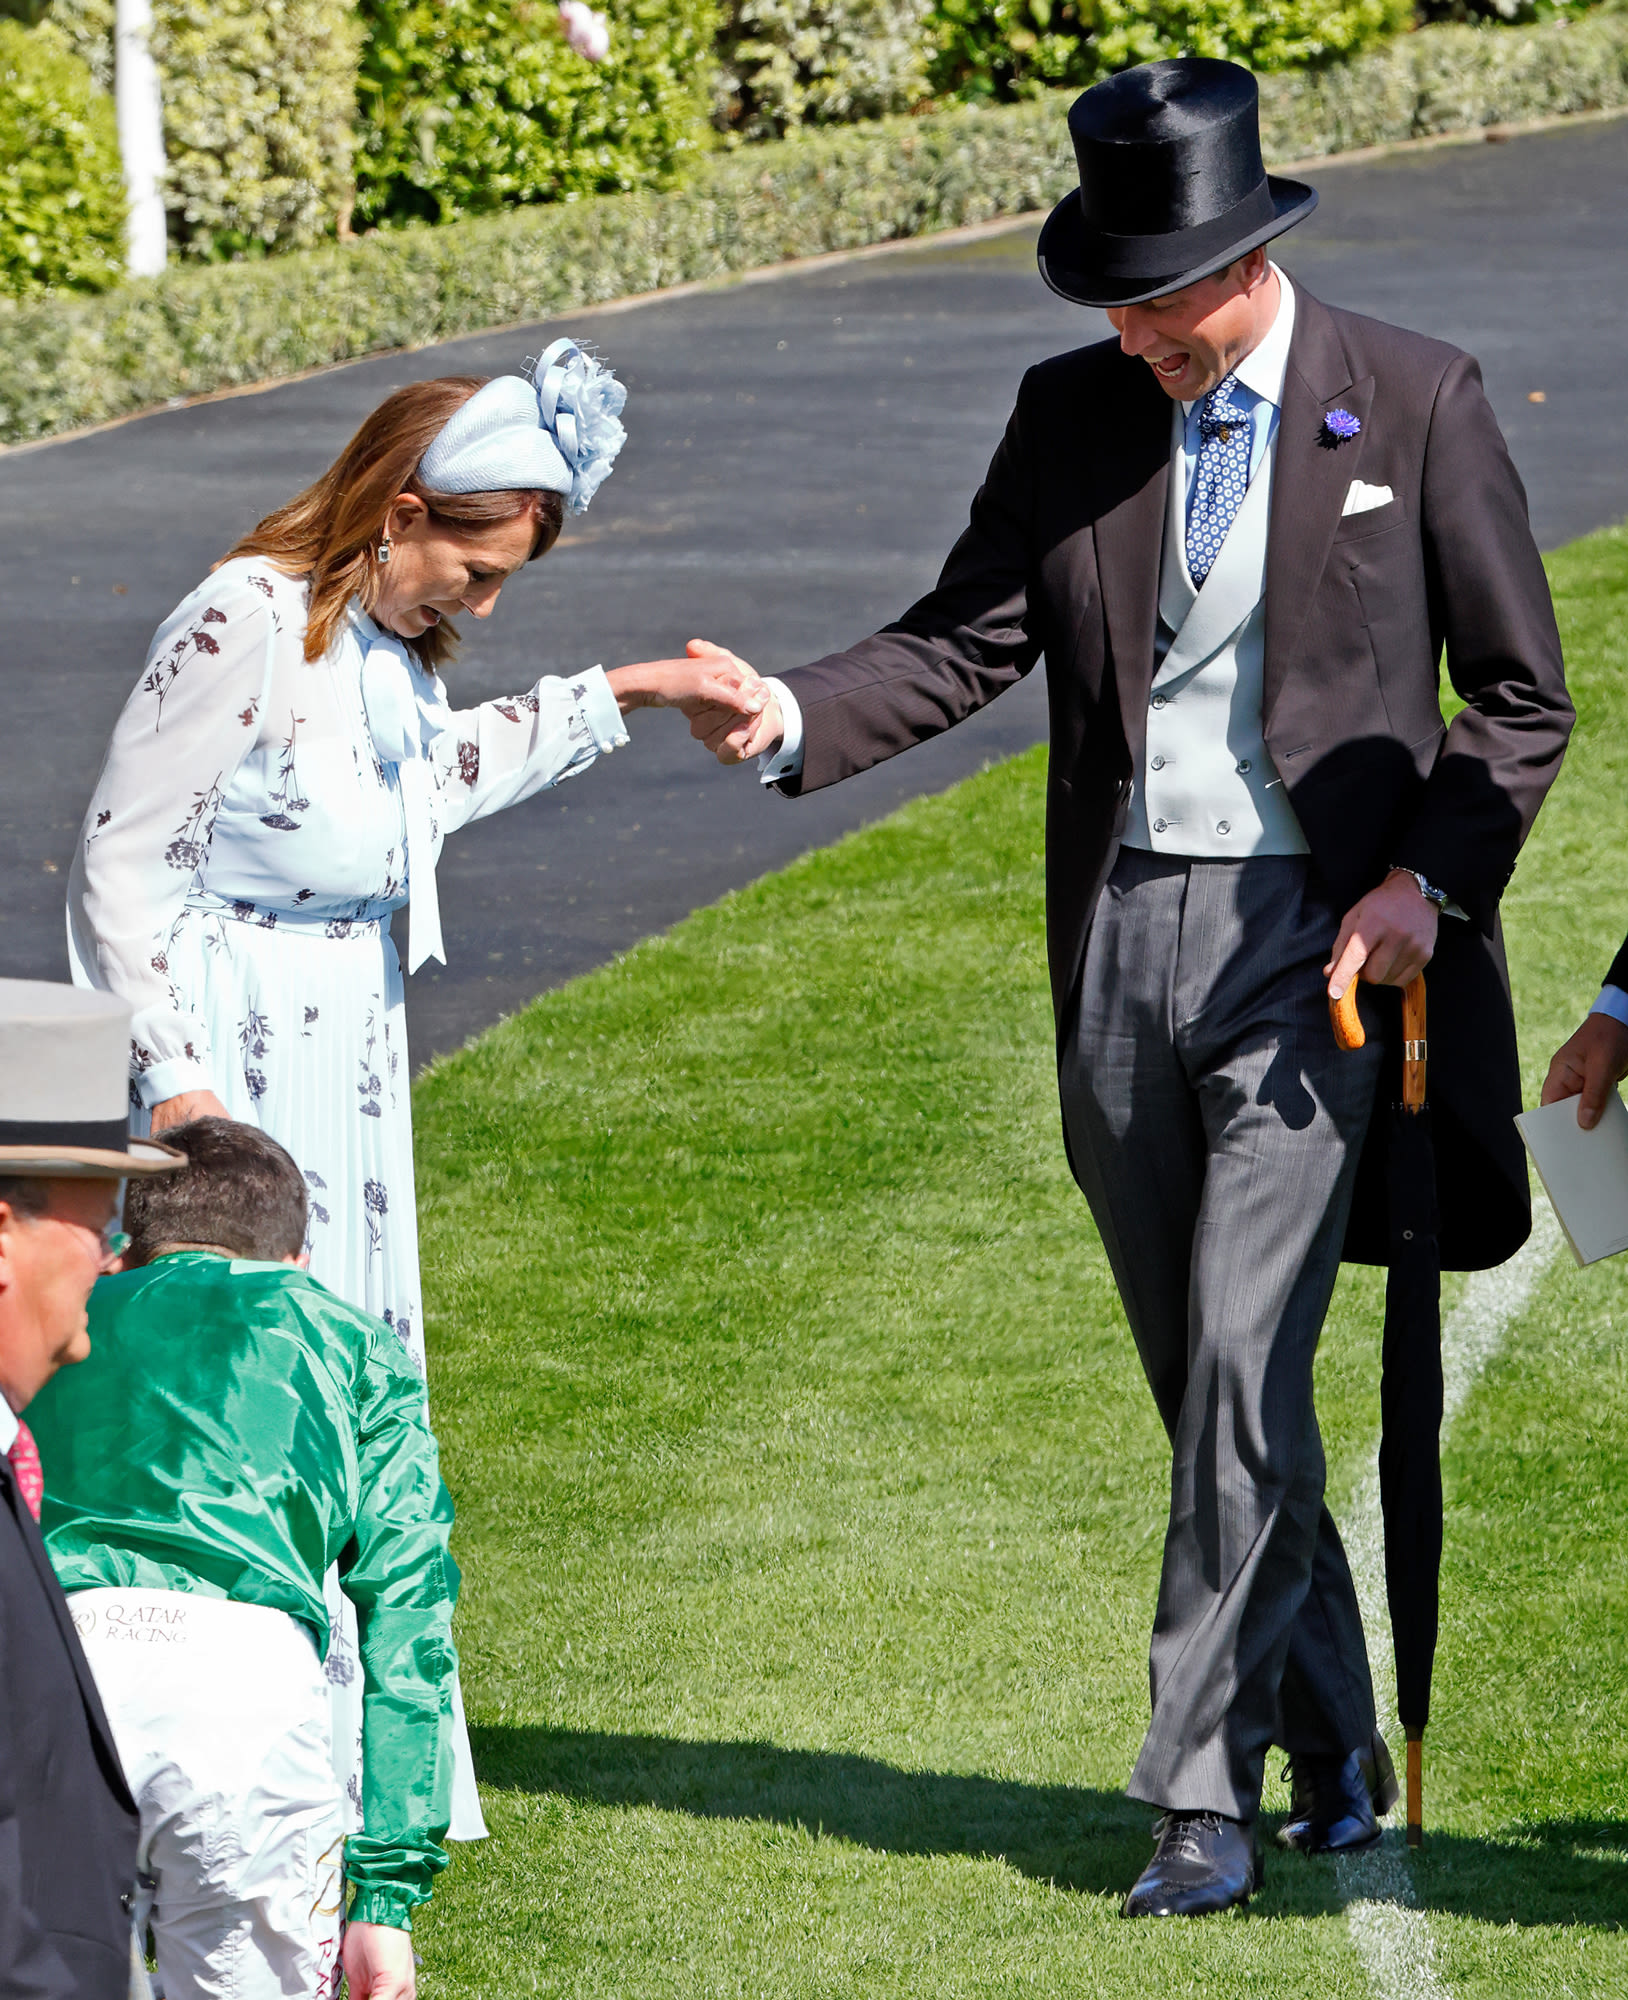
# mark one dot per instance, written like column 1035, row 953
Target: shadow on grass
column 1557, row 1872
column 1078, row 1839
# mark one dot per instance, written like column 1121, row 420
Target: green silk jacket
column 236, row 1430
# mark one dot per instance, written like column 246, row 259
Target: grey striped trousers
column 1216, row 1128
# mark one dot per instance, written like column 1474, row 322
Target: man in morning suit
column 67, row 1821
column 1243, row 534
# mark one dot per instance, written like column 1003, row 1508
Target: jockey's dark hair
column 238, row 1192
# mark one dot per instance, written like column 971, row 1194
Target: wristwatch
column 1427, row 889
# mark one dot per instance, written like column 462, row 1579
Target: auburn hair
column 329, row 533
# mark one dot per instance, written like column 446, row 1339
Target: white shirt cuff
column 787, row 761
column 171, row 1079
column 599, row 710
column 1612, row 1001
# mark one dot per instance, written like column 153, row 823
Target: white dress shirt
column 1260, row 374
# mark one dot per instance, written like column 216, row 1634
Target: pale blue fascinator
column 556, row 429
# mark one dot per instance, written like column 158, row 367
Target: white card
column 1585, row 1174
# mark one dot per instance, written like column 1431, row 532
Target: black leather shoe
column 1202, row 1863
column 1336, row 1806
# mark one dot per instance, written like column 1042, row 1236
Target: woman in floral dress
column 286, row 769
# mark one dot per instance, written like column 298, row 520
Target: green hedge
column 466, row 107
column 787, row 63
column 998, row 50
column 61, row 192
column 72, row 362
column 259, row 105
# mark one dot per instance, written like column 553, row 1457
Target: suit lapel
column 29, row 1533
column 1129, row 536
column 1309, row 480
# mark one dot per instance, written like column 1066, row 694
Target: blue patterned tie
column 1222, row 477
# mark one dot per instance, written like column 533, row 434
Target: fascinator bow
column 406, row 712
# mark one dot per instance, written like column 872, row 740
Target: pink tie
column 25, row 1467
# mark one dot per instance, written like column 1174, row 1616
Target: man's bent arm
column 396, row 1573
column 1492, row 603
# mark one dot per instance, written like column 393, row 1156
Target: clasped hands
column 731, row 709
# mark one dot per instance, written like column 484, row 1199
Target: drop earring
column 384, row 548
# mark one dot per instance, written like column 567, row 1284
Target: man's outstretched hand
column 730, row 736
column 1588, row 1067
column 1388, row 938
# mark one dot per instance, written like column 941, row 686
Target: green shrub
column 1506, row 13
column 1283, row 34
column 258, row 110
column 786, row 63
column 80, row 361
column 1448, row 79
column 1004, row 49
column 996, row 51
column 470, row 106
column 259, row 105
column 61, row 193
column 87, row 27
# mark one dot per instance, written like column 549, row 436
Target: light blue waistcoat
column 1207, row 786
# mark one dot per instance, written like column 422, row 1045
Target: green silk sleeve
column 398, row 1573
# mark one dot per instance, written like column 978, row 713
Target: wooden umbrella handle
column 1415, row 1045
column 1350, row 1034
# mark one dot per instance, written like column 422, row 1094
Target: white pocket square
column 1360, row 498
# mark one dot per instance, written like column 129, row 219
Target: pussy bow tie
column 405, row 714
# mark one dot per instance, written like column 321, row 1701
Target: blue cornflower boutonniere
column 1339, row 427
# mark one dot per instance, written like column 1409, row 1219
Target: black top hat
column 1172, row 187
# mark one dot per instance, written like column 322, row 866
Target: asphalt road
column 801, row 455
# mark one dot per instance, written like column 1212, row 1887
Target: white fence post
column 139, row 105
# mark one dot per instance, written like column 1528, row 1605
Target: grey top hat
column 65, row 1087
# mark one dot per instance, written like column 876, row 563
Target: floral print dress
column 236, row 873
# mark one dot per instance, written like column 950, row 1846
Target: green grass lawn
column 810, row 1499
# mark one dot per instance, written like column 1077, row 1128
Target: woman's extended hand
column 188, row 1104
column 713, row 680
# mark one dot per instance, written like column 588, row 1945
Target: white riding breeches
column 221, row 1716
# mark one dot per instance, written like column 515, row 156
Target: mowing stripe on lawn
column 1391, row 1934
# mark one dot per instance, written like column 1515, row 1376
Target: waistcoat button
column 1243, row 764
column 1159, row 825
column 1224, row 826
column 1158, row 763
column 1158, row 701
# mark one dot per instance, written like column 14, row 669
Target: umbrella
column 1410, row 1386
